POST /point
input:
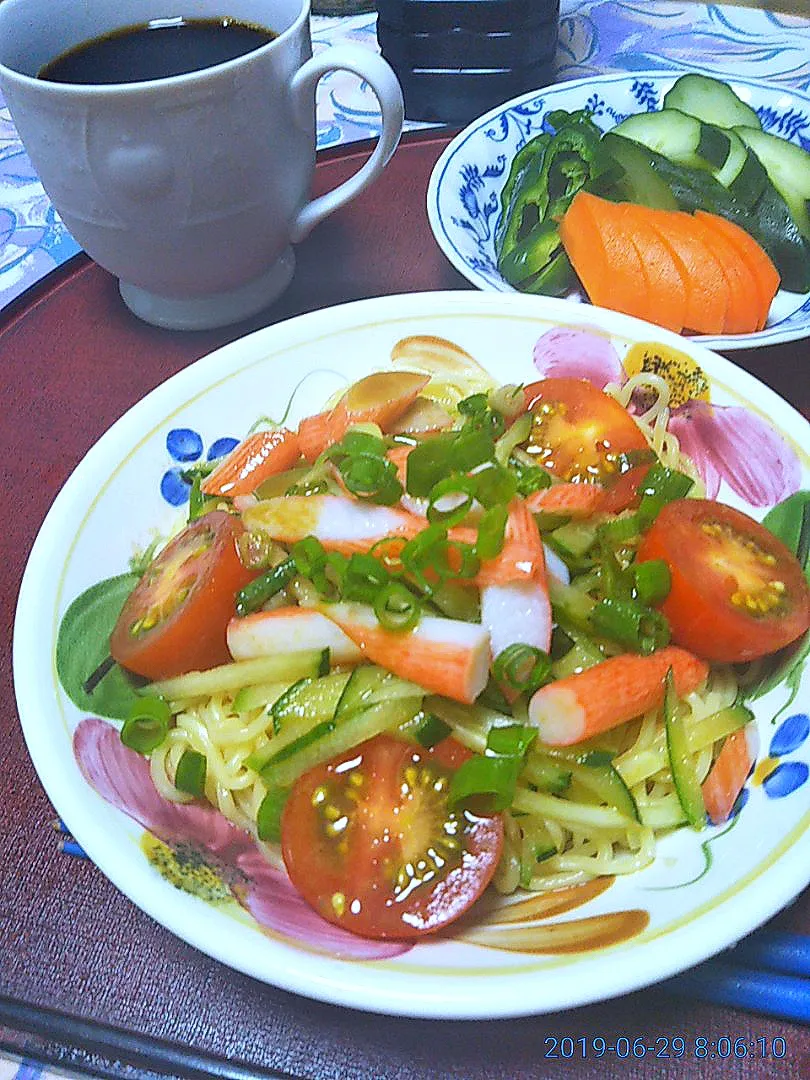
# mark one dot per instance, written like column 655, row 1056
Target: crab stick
column 611, row 693
column 572, row 500
column 338, row 521
column 289, row 629
column 253, row 460
column 728, row 774
column 445, row 656
column 519, row 610
column 381, row 398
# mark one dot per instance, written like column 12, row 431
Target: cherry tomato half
column 737, row 592
column 580, row 433
column 371, row 844
column 175, row 618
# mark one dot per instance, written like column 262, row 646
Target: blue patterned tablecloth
column 595, row 36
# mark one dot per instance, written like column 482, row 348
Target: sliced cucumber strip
column 369, row 685
column 310, row 699
column 546, row 774
column 684, row 776
column 681, row 138
column 639, row 183
column 232, row 677
column 333, row 738
column 259, row 696
column 788, row 168
column 710, row 100
column 536, row 845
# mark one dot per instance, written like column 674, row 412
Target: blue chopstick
column 768, row 973
column 786, row 997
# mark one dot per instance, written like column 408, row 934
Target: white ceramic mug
column 190, row 189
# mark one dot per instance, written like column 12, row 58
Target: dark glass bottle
column 456, row 59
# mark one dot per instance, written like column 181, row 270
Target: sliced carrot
column 611, row 693
column 707, row 292
column 260, row 455
column 381, row 399
column 585, row 249
column 743, row 313
column 666, row 299
column 765, row 273
column 727, row 776
column 445, row 656
column 623, row 287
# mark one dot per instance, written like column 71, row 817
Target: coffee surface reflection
column 155, row 50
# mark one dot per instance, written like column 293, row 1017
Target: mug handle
column 382, row 80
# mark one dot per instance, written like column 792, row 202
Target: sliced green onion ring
column 396, row 607
column 191, row 772
column 147, row 725
column 630, row 624
column 523, row 668
column 491, row 532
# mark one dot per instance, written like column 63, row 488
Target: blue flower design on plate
column 785, row 777
column 186, row 446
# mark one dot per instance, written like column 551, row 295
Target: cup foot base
column 209, row 312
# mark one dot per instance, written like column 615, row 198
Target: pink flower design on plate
column 725, row 442
column 121, row 776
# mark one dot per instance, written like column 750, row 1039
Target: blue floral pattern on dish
column 786, row 777
column 186, row 446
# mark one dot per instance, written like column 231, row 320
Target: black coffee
column 155, row 50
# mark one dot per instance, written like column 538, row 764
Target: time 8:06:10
column 664, row 1046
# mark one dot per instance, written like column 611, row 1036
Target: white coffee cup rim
column 149, row 85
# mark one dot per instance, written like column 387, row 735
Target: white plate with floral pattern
column 205, row 880
column 463, row 198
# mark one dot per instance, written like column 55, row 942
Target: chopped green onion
column 491, row 532
column 198, row 504
column 268, row 818
column 421, row 553
column 653, row 581
column 463, row 487
column 620, row 530
column 265, row 586
column 659, row 487
column 471, row 447
column 515, row 435
column 147, row 725
column 494, row 485
column 523, row 668
column 511, row 741
column 428, row 463
column 431, row 730
column 468, row 560
column 487, row 782
column 630, row 624
column 364, row 577
column 396, row 607
column 529, row 478
column 329, row 578
column 308, row 555
column 190, row 773
column 371, row 478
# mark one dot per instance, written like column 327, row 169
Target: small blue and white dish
column 463, row 198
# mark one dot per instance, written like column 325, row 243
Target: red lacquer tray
column 86, row 978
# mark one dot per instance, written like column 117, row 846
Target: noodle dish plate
column 208, row 881
column 464, row 192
